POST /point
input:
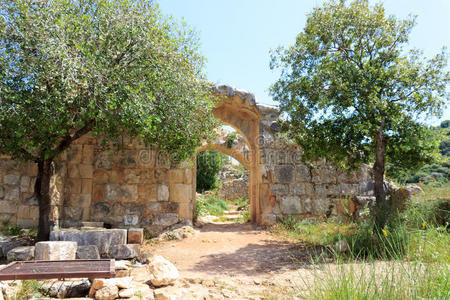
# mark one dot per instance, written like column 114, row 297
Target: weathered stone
column 12, row 193
column 8, row 207
column 291, row 205
column 67, row 289
column 302, row 173
column 107, row 293
column 135, row 235
column 123, row 282
column 2, row 193
column 180, row 192
column 130, row 220
column 25, row 183
column 55, row 250
column 279, row 189
column 92, row 224
column 21, row 253
column 127, row 293
column 284, row 174
column 127, row 251
column 87, row 252
column 163, row 271
column 298, row 189
column 166, row 219
column 9, row 243
column 163, row 192
column 102, row 238
column 11, row 179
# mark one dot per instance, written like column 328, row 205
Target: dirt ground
column 243, row 261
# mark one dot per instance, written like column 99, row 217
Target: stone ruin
column 135, row 188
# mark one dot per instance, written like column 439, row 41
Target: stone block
column 102, row 238
column 73, row 171
column 104, row 160
column 87, row 252
column 88, row 154
column 112, row 192
column 11, row 179
column 298, row 189
column 80, row 200
column 67, row 289
column 2, row 192
column 176, row 176
column 135, row 235
column 86, row 171
column 185, row 211
column 55, row 250
column 163, row 192
column 180, row 193
column 302, row 173
column 188, row 176
column 25, row 182
column 73, row 185
column 107, row 293
column 307, row 205
column 130, row 220
column 279, row 189
column 284, row 174
column 8, row 207
column 74, row 154
column 166, row 219
column 291, row 205
column 12, row 193
column 21, row 253
column 86, row 186
column 92, row 224
column 126, row 251
column 100, row 176
column 163, row 271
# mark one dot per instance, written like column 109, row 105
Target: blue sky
column 237, row 35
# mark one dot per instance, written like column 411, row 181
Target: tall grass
column 209, row 204
column 380, row 280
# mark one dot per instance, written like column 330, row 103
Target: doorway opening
column 222, row 182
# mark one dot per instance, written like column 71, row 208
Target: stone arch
column 237, row 108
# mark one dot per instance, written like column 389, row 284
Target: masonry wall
column 130, row 187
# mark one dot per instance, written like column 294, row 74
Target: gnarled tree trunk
column 378, row 172
column 42, row 191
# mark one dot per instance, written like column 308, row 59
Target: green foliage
column 445, row 124
column 230, row 139
column 210, row 205
column 113, row 68
column 209, row 163
column 436, row 172
column 30, row 288
column 348, row 79
column 8, row 229
column 378, row 280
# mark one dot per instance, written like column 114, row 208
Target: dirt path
column 242, row 259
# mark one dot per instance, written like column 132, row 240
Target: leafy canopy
column 209, row 163
column 115, row 68
column 348, row 75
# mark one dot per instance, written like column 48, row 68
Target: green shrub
column 210, row 205
column 209, row 164
column 230, row 139
column 8, row 229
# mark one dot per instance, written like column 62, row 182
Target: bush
column 209, row 164
column 210, row 205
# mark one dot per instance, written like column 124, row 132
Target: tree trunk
column 42, row 191
column 378, row 172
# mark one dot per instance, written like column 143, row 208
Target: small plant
column 230, row 140
column 31, row 288
column 210, row 205
column 8, row 229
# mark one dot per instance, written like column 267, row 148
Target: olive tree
column 354, row 93
column 110, row 68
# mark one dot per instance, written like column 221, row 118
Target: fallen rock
column 21, row 253
column 144, row 257
column 140, row 274
column 10, row 242
column 55, row 250
column 169, row 293
column 123, row 282
column 178, row 234
column 101, row 237
column 163, row 271
column 128, row 251
column 127, row 293
column 107, row 293
column 67, row 289
column 135, row 235
column 87, row 252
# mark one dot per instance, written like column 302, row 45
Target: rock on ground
column 55, row 250
column 68, row 289
column 21, row 253
column 87, row 252
column 128, row 251
column 107, row 293
column 163, row 271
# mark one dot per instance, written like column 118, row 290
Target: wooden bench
column 59, row 269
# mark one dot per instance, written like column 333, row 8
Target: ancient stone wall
column 133, row 187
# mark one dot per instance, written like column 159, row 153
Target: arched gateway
column 132, row 187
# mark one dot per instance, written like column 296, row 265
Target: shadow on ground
column 256, row 259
